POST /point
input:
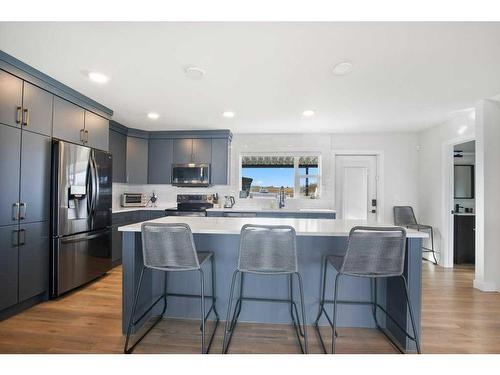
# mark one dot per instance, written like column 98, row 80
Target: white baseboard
column 485, row 286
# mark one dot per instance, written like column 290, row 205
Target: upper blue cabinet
column 166, row 148
column 25, row 105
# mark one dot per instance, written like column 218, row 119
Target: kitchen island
column 315, row 238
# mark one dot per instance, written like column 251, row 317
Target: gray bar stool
column 405, row 217
column 267, row 250
column 372, row 252
column 171, row 248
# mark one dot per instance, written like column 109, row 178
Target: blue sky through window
column 270, row 176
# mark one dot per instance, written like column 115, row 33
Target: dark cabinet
column 125, row 218
column 147, row 158
column 464, row 238
column 24, row 104
column 33, row 259
column 202, row 150
column 220, row 161
column 118, row 149
column 273, row 214
column 69, row 121
column 183, row 151
column 37, row 109
column 24, row 262
column 11, row 97
column 10, row 153
column 192, row 150
column 35, row 177
column 160, row 161
column 24, row 213
column 96, row 131
column 8, row 266
column 156, row 214
column 137, row 160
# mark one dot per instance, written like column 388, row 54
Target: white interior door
column 356, row 187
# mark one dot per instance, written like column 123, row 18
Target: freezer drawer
column 79, row 259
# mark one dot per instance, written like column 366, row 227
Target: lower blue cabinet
column 125, row 218
column 24, row 262
column 8, row 266
column 276, row 214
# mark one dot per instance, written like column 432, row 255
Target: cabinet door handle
column 15, row 211
column 86, row 136
column 22, row 237
column 18, row 115
column 82, row 132
column 22, row 210
column 26, row 117
column 15, row 238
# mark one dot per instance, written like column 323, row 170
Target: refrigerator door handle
column 84, row 237
column 97, row 189
column 93, row 191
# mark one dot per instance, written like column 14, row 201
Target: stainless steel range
column 191, row 205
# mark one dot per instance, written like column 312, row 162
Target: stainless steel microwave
column 192, row 174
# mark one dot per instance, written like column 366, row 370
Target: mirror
column 464, row 182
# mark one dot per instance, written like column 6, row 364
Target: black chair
column 372, row 252
column 405, row 217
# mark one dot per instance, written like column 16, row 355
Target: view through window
column 264, row 175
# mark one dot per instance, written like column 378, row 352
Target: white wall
column 430, row 175
column 399, row 166
column 488, row 197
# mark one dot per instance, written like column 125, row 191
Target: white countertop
column 464, row 214
column 303, row 227
column 260, row 209
column 159, row 207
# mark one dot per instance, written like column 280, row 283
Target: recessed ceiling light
column 228, row 114
column 342, row 68
column 153, row 115
column 98, row 77
column 194, row 72
column 308, row 113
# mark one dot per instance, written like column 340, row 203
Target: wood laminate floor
column 456, row 319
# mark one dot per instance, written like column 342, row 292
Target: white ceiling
column 406, row 76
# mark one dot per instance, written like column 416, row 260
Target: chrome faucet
column 281, row 202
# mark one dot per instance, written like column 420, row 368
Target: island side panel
column 132, row 264
column 311, row 250
column 396, row 303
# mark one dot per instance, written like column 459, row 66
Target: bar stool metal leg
column 228, row 326
column 415, row 333
column 322, row 310
column 300, row 327
column 323, row 288
column 304, row 333
column 202, row 315
column 294, row 313
column 132, row 322
column 335, row 296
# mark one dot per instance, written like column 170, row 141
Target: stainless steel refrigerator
column 81, row 215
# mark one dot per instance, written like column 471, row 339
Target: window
column 262, row 176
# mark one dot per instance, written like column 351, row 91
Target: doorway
column 458, row 213
column 464, row 209
column 356, row 180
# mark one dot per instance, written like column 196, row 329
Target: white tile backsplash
column 400, row 168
